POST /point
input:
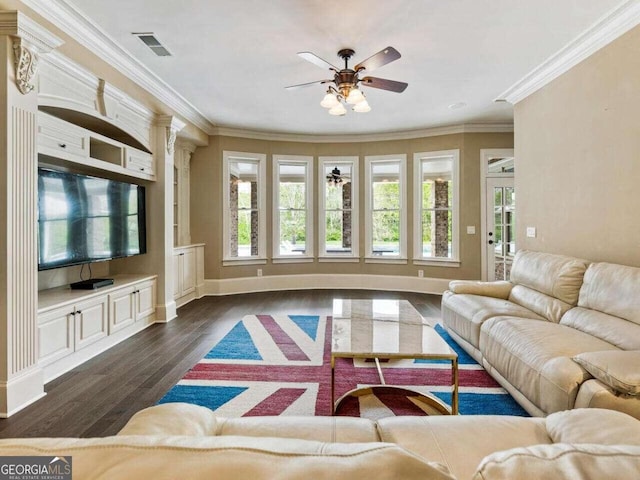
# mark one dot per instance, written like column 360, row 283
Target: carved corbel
column 172, row 126
column 26, row 62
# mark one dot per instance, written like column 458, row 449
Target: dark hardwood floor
column 98, row 397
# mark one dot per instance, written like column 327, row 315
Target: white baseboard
column 229, row 286
column 166, row 313
column 20, row 392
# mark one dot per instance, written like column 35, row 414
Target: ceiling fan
column 344, row 87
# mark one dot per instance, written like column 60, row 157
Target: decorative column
column 22, row 42
column 160, row 215
column 440, row 223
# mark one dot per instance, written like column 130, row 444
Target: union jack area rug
column 280, row 365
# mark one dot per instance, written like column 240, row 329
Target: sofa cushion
column 593, row 425
column 461, row 442
column 619, row 370
column 612, row 289
column 536, row 358
column 464, row 313
column 558, row 276
column 563, row 461
column 549, row 308
column 227, row 458
column 615, row 330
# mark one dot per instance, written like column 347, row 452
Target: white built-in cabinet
column 75, row 325
column 60, row 140
column 188, row 273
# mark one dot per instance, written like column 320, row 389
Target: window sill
column 438, row 263
column 292, row 260
column 232, row 262
column 397, row 261
column 344, row 259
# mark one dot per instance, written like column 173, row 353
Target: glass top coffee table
column 388, row 329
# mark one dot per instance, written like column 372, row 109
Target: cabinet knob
column 78, row 312
column 62, row 145
column 141, row 169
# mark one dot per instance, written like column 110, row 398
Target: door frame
column 487, row 154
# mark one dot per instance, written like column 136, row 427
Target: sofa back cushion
column 227, row 458
column 558, row 276
column 612, row 289
column 614, row 330
column 548, row 307
column 563, row 461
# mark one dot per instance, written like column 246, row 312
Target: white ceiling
column 232, row 59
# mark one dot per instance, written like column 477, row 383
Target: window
column 338, row 224
column 436, row 200
column 386, row 225
column 244, row 199
column 293, row 207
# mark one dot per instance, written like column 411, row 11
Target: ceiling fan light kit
column 345, row 81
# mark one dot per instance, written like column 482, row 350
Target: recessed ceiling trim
column 368, row 137
column 611, row 26
column 92, row 37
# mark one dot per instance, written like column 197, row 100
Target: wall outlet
column 531, row 232
column 471, row 229
column 259, row 272
column 420, row 273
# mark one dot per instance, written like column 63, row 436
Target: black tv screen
column 84, row 219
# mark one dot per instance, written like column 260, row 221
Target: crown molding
column 18, row 24
column 611, row 26
column 365, row 137
column 64, row 16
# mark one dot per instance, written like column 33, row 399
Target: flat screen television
column 83, row 219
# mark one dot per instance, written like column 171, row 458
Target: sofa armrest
column 617, row 369
column 500, row 289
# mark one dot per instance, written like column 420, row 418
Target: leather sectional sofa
column 563, row 333
column 189, row 442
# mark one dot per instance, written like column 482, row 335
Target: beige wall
column 207, row 202
column 577, row 147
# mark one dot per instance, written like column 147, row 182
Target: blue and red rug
column 280, row 365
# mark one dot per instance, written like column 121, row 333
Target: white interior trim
column 487, row 154
column 323, row 162
column 366, row 137
column 261, row 160
column 454, row 155
column 307, row 162
column 611, row 26
column 369, row 162
column 230, row 286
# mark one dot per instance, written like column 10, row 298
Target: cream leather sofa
column 561, row 334
column 182, row 441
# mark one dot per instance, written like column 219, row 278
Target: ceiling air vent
column 149, row 39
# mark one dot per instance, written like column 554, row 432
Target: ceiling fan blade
column 302, row 85
column 316, row 60
column 384, row 84
column 381, row 58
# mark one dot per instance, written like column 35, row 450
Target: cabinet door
column 61, row 139
column 122, row 309
column 188, row 272
column 55, row 335
column 91, row 321
column 145, row 299
column 177, row 276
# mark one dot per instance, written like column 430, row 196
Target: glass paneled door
column 500, row 241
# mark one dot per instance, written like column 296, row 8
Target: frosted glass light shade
column 362, row 107
column 338, row 110
column 355, row 96
column 329, row 100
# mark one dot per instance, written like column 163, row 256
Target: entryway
column 498, row 208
